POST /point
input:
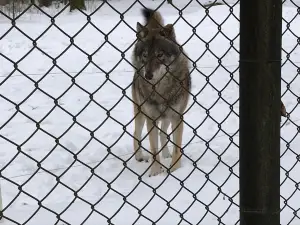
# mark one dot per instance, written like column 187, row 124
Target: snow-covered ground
column 114, row 194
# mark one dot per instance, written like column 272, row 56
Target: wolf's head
column 156, row 48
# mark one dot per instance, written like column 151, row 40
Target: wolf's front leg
column 138, row 128
column 153, row 138
column 163, row 138
column 177, row 127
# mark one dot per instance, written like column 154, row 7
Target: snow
column 48, row 95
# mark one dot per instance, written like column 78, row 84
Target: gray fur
column 168, row 89
column 161, row 84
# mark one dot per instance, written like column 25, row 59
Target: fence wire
column 183, row 216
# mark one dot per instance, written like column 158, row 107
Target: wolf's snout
column 149, row 76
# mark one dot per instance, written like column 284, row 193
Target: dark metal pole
column 260, row 76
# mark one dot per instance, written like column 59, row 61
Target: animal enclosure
column 67, row 121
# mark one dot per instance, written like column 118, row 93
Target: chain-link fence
column 70, row 122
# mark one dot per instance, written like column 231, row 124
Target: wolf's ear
column 141, row 31
column 139, row 27
column 168, row 32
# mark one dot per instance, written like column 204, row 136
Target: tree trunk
column 282, row 110
column 46, row 3
column 77, row 4
column 4, row 2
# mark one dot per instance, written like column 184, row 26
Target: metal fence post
column 1, row 204
column 260, row 77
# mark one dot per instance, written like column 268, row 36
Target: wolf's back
column 153, row 18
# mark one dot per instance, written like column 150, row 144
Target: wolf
column 160, row 89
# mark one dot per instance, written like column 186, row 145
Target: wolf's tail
column 153, row 18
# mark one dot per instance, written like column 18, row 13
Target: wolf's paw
column 176, row 166
column 156, row 169
column 166, row 153
column 140, row 157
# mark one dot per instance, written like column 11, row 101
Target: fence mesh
column 67, row 121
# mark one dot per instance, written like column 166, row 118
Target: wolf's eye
column 160, row 55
